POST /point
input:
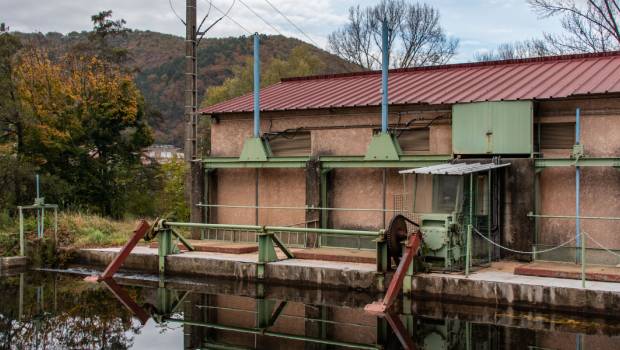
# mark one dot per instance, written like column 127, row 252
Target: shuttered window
column 294, row 144
column 556, row 135
column 414, row 140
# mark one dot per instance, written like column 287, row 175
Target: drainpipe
column 577, row 180
column 385, row 62
column 256, row 86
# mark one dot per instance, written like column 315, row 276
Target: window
column 555, row 135
column 482, row 195
column 292, row 144
column 446, row 192
column 414, row 140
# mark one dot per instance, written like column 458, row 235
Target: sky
column 479, row 24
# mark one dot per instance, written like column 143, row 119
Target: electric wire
column 292, row 23
column 261, row 18
column 520, row 251
column 225, row 14
column 175, row 12
column 202, row 34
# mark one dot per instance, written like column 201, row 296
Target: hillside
column 157, row 60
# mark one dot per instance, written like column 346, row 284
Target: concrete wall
column 600, row 187
column 348, row 132
column 344, row 134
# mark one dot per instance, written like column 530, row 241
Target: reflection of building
column 162, row 153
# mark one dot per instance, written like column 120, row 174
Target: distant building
column 162, row 153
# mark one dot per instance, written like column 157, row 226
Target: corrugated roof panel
column 454, row 168
column 527, row 79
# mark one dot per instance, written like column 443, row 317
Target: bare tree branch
column 415, row 36
column 590, row 26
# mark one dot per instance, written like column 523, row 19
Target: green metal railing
column 268, row 239
column 579, row 253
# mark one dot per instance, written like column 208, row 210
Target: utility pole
column 194, row 181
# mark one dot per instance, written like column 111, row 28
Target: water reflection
column 56, row 310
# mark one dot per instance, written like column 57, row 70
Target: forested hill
column 158, row 63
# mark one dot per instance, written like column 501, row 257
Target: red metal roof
column 525, row 79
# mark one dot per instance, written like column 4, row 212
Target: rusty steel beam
column 400, row 331
column 126, row 300
column 138, row 234
column 411, row 249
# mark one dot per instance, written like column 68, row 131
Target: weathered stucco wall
column 600, row 187
column 331, row 134
column 349, row 133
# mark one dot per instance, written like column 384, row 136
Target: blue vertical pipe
column 256, row 86
column 577, row 183
column 385, row 62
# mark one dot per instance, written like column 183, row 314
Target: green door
column 503, row 127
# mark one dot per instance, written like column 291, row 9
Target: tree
column 516, row 50
column 590, row 25
column 415, row 36
column 102, row 38
column 11, row 126
column 301, row 62
column 87, row 126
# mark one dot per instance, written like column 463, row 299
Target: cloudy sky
column 480, row 24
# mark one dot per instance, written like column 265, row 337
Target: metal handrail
column 573, row 217
column 271, row 229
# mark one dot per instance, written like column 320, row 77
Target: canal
column 58, row 310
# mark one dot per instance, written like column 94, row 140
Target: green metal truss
column 327, row 162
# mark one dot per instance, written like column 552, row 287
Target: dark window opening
column 293, row 144
column 554, row 135
column 414, row 140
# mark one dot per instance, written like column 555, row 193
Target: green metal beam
column 582, row 162
column 327, row 162
column 405, row 161
column 273, row 162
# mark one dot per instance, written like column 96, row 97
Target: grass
column 75, row 230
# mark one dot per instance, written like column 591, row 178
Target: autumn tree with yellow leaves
column 85, row 125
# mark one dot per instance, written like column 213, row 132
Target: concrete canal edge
column 13, row 262
column 483, row 287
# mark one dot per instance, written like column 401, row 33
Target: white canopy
column 454, row 168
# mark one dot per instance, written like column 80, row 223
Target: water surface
column 53, row 310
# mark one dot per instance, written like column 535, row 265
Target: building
column 316, row 133
column 162, row 153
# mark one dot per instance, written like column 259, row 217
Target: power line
column 202, row 34
column 292, row 23
column 230, row 18
column 259, row 16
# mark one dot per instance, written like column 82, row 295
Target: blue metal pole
column 385, row 62
column 256, row 86
column 577, row 187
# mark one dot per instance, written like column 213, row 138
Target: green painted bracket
column 255, row 149
column 383, row 146
column 282, row 247
column 183, row 240
column 266, row 249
